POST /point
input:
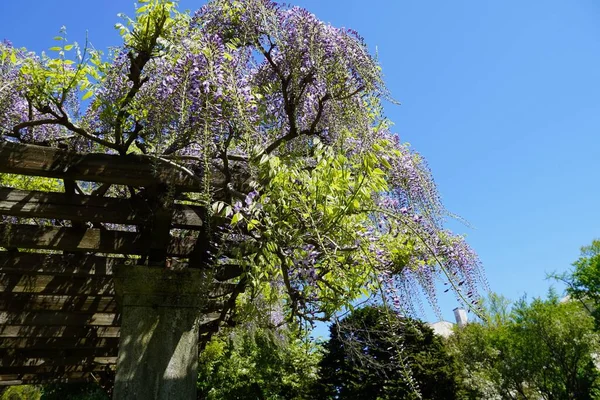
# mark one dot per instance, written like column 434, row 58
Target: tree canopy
column 253, row 362
column 375, row 354
column 543, row 349
column 278, row 117
column 583, row 282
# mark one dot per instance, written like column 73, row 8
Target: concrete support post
column 158, row 347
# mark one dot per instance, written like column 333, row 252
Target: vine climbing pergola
column 243, row 145
column 60, row 314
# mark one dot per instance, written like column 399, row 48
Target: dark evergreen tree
column 375, row 354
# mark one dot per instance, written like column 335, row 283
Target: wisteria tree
column 279, row 116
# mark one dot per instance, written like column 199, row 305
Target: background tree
column 365, row 359
column 252, row 362
column 55, row 391
column 23, row 392
column 545, row 349
column 583, row 282
column 73, row 391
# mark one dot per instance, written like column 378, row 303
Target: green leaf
column 236, row 218
column 89, row 94
column 217, row 207
column 68, row 47
column 13, row 58
column 55, row 48
column 252, row 224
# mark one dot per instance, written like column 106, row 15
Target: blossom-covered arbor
column 277, row 117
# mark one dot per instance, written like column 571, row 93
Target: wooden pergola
column 59, row 317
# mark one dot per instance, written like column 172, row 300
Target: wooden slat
column 23, row 302
column 54, row 354
column 58, row 343
column 66, row 377
column 9, row 361
column 133, row 170
column 34, row 204
column 222, row 290
column 20, row 331
column 57, row 285
column 228, row 272
column 10, row 380
column 58, row 318
column 57, row 264
column 69, row 377
column 93, row 240
column 34, row 324
column 48, row 369
column 81, row 264
column 20, row 302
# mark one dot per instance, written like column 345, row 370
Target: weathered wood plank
column 57, row 285
column 55, row 370
column 92, row 240
column 20, row 302
column 24, row 331
column 81, row 264
column 133, row 170
column 9, row 361
column 53, row 354
column 58, row 264
column 58, row 343
column 67, row 377
column 10, row 380
column 34, row 204
column 66, row 324
column 222, row 290
column 23, row 302
column 58, row 318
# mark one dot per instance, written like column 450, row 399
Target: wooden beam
column 10, row 380
column 24, row 302
column 58, row 343
column 21, row 302
column 58, row 264
column 89, row 240
column 34, row 204
column 132, row 169
column 25, row 331
column 53, row 354
column 60, row 369
column 9, row 361
column 57, row 285
column 58, row 318
column 32, row 379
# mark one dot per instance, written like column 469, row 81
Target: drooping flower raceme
column 279, row 114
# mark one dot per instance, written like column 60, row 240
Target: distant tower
column 461, row 316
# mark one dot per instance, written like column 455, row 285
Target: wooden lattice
column 58, row 314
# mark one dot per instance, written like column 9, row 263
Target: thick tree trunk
column 158, row 349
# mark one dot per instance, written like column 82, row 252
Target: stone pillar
column 160, row 317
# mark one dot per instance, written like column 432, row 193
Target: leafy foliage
column 278, row 116
column 249, row 362
column 583, row 283
column 544, row 349
column 73, row 391
column 374, row 354
column 21, row 392
column 55, row 391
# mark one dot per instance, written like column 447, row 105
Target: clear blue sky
column 502, row 98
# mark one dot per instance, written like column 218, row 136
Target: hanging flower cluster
column 279, row 114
